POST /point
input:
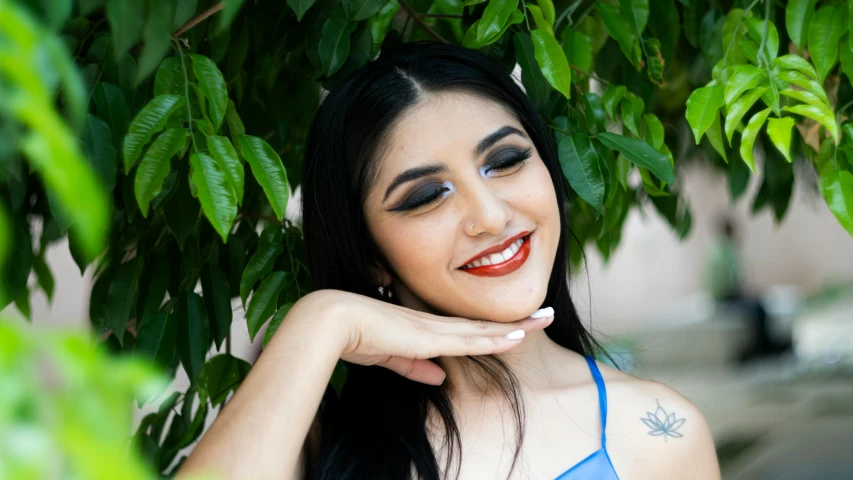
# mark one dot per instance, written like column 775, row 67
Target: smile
column 503, row 263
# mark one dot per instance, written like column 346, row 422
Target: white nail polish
column 516, row 335
column 542, row 312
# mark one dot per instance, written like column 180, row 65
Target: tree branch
column 590, row 75
column 198, row 19
column 417, row 18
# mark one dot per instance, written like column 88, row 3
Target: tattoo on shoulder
column 663, row 423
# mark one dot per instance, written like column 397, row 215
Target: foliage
column 65, row 407
column 164, row 138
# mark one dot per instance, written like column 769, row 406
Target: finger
column 487, row 328
column 418, row 370
column 455, row 345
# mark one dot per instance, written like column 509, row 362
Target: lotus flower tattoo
column 663, row 423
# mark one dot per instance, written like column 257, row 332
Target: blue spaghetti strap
column 602, row 396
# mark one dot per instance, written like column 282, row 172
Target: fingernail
column 516, row 335
column 542, row 312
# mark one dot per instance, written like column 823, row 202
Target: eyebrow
column 418, row 172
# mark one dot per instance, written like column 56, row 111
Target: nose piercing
column 472, row 229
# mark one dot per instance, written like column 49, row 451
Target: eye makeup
column 509, row 160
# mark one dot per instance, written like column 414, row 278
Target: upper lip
column 497, row 248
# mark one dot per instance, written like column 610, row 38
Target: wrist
column 318, row 319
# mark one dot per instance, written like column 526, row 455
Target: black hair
column 377, row 428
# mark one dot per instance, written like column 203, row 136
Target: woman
column 435, row 220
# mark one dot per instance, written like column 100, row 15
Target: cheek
column 418, row 245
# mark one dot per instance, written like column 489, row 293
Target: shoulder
column 655, row 432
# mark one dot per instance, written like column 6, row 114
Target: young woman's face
column 482, row 168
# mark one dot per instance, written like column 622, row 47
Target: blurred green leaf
column 193, row 339
column 798, row 17
column 220, row 376
column 826, row 28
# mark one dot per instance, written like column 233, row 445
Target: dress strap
column 602, row 395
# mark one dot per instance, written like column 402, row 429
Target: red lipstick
column 506, row 267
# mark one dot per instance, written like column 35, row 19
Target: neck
column 532, row 361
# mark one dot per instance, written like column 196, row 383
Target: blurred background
column 756, row 329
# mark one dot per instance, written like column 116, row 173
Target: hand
column 401, row 339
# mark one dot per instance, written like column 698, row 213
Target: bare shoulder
column 655, row 432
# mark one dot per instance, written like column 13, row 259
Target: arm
column 261, row 431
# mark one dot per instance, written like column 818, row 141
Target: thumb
column 418, row 370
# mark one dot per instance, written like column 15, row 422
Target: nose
column 489, row 211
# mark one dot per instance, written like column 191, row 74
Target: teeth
column 497, row 257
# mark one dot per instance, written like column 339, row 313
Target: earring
column 383, row 292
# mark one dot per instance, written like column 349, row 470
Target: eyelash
column 439, row 193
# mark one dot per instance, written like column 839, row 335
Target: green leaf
column 654, row 131
column 632, row 113
column 837, row 189
column 579, row 161
column 641, row 154
column 715, row 136
column 810, row 99
column 193, row 339
column 155, row 165
column 845, row 55
column 220, row 376
column 44, row 275
column 620, row 29
column 214, row 193
column 596, row 117
column 747, row 140
column 755, row 28
column 212, row 85
column 334, row 41
column 121, row 296
column 779, row 131
column 276, row 322
column 226, row 156
column 578, row 49
column 268, row 171
column 739, row 109
column 156, row 339
column 827, row 27
column 548, row 11
column 552, row 61
column 539, row 18
column 612, row 96
column 100, row 151
column 803, row 82
column 217, row 301
column 470, row 38
column 235, row 125
column 112, row 108
column 263, row 303
column 535, row 84
column 796, row 62
column 156, row 35
column 494, row 17
column 126, row 20
column 169, row 78
column 262, row 261
column 149, row 121
column 152, row 289
column 703, row 106
column 229, row 11
column 741, row 79
column 637, row 12
column 798, row 16
column 818, row 115
column 300, row 7
column 182, row 211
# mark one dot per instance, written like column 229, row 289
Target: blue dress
column 597, row 465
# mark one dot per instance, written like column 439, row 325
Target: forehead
column 441, row 128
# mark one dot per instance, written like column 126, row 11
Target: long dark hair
column 377, row 428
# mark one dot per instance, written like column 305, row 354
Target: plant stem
column 590, row 75
column 567, row 13
column 417, row 18
column 198, row 19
